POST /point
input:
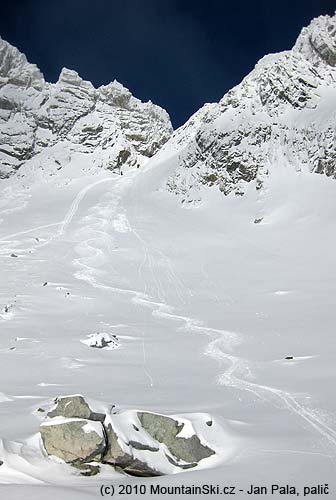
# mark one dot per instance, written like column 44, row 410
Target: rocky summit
column 108, row 122
column 283, row 112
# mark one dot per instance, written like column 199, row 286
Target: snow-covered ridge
column 108, row 121
column 283, row 112
column 317, row 42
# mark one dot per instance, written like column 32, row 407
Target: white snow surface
column 207, row 303
column 193, row 294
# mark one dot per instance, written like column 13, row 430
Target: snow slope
column 206, row 304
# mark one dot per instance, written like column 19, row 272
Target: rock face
column 118, row 457
column 70, row 407
column 73, row 440
column 138, row 443
column 74, row 407
column 165, row 430
column 282, row 114
column 107, row 122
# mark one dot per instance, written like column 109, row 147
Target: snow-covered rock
column 107, row 122
column 282, row 112
column 139, row 443
column 73, row 440
column 16, row 70
column 168, row 431
column 69, row 407
column 101, row 341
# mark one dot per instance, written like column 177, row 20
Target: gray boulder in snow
column 87, row 469
column 74, row 407
column 114, row 453
column 117, row 457
column 165, row 430
column 77, row 435
column 73, row 440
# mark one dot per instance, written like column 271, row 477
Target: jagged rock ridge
column 108, row 121
column 283, row 112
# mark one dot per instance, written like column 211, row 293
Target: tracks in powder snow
column 224, row 340
column 266, row 393
column 11, row 239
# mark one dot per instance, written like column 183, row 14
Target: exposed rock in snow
column 69, row 407
column 317, row 42
column 15, row 69
column 107, row 121
column 118, row 457
column 166, row 430
column 74, row 407
column 138, row 443
column 102, row 341
column 282, row 112
column 73, row 440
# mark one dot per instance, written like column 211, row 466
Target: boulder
column 74, row 407
column 166, row 429
column 73, row 440
column 140, row 469
column 114, row 454
column 70, row 407
column 87, row 469
column 137, row 443
column 117, row 457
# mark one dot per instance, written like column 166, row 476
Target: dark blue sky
column 178, row 53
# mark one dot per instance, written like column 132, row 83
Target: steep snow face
column 282, row 112
column 107, row 122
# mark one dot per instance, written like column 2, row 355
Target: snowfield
column 200, row 284
column 204, row 302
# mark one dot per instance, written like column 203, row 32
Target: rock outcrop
column 166, row 430
column 74, row 407
column 73, row 440
column 282, row 114
column 107, row 122
column 137, row 443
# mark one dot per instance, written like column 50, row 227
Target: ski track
column 228, row 378
column 216, row 348
column 70, row 214
column 148, row 375
column 75, row 204
column 9, row 237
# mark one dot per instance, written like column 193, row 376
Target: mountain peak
column 108, row 122
column 317, row 42
column 281, row 114
column 15, row 69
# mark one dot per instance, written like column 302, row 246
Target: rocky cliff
column 109, row 122
column 283, row 112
